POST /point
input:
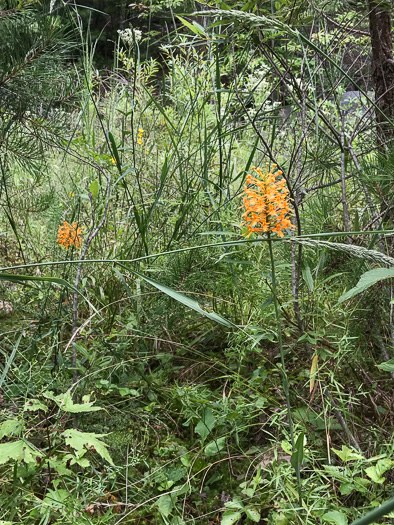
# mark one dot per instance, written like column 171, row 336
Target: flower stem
column 282, row 358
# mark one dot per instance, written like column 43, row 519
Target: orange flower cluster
column 69, row 235
column 266, row 202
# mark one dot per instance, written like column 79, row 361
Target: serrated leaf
column 229, row 517
column 19, row 450
column 81, row 441
column 11, row 427
column 346, row 454
column 252, row 514
column 206, row 423
column 65, row 402
column 32, row 405
column 376, row 471
column 336, row 472
column 336, row 517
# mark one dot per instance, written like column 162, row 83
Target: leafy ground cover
column 158, row 365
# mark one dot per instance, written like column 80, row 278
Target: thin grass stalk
column 282, row 358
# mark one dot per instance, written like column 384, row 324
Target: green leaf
column 195, row 28
column 346, row 488
column 376, row 471
column 252, row 514
column 32, row 405
column 55, row 499
column 94, row 188
column 123, row 391
column 236, row 503
column 346, row 454
column 114, row 149
column 307, row 276
column 19, row 450
column 14, row 278
column 297, row 456
column 186, row 301
column 206, row 423
column 215, row 446
column 81, row 441
column 336, row 517
column 65, row 402
column 166, row 503
column 11, row 427
column 366, row 280
column 229, row 517
column 388, row 366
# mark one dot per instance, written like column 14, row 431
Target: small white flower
column 130, row 35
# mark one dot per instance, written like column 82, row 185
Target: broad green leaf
column 176, row 520
column 236, row 503
column 297, row 456
column 195, row 28
column 388, row 366
column 65, row 402
column 81, row 441
column 206, row 423
column 123, row 391
column 346, row 488
column 281, row 519
column 55, row 499
column 215, row 446
column 11, row 427
column 366, row 280
column 229, row 517
column 252, row 514
column 361, row 484
column 307, row 276
column 166, row 503
column 376, row 471
column 337, row 472
column 346, row 454
column 19, row 450
column 336, row 517
column 32, row 405
column 94, row 188
column 187, row 301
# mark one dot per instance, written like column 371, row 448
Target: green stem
column 282, row 358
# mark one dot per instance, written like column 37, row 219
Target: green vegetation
column 162, row 362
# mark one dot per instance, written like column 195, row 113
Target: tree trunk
column 382, row 67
